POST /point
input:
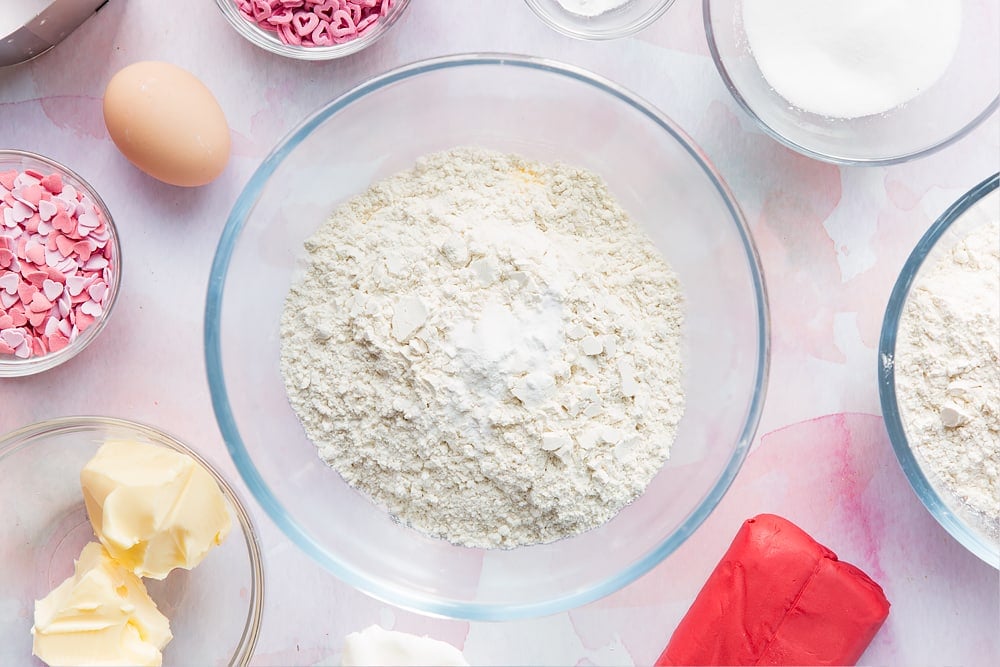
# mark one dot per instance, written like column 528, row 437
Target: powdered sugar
column 947, row 370
column 487, row 347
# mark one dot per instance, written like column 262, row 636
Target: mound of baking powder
column 488, row 348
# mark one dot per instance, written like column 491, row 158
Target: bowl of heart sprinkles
column 312, row 29
column 60, row 263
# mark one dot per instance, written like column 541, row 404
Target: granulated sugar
column 852, row 58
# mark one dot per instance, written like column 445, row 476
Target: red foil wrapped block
column 778, row 597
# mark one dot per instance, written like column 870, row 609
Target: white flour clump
column 488, row 348
column 947, row 368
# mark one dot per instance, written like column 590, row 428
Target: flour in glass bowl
column 947, row 371
column 488, row 348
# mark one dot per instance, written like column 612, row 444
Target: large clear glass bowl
column 979, row 206
column 546, row 111
column 214, row 609
column 965, row 95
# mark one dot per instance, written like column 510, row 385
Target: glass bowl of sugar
column 496, row 340
column 859, row 82
column 938, row 370
column 599, row 19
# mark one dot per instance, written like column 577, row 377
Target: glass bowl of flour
column 939, row 369
column 478, row 354
column 859, row 82
column 599, row 19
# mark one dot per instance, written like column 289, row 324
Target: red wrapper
column 778, row 597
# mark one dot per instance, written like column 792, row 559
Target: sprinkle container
column 269, row 40
column 22, row 289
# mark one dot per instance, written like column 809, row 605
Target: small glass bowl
column 972, row 530
column 13, row 366
column 269, row 41
column 623, row 21
column 214, row 609
column 965, row 95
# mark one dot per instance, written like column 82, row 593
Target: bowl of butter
column 122, row 546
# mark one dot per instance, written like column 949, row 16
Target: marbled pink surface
column 831, row 240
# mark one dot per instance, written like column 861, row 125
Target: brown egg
column 167, row 123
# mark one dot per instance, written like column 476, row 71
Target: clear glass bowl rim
column 24, row 436
column 805, row 150
column 252, row 34
column 887, row 379
column 32, row 365
column 639, row 24
column 358, row 579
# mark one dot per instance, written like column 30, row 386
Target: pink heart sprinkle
column 52, row 289
column 35, row 254
column 36, row 278
column 53, row 183
column 39, row 304
column 95, row 263
column 46, row 209
column 26, row 292
column 21, row 211
column 91, row 308
column 51, row 325
column 97, row 291
column 75, row 284
column 83, row 321
column 57, row 342
column 9, row 281
column 12, row 337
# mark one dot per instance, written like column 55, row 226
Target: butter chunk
column 152, row 508
column 102, row 615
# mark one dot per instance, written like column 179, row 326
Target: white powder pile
column 591, row 8
column 488, row 348
column 947, row 369
column 852, row 58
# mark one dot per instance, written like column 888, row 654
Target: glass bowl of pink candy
column 312, row 29
column 60, row 264
column 599, row 19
